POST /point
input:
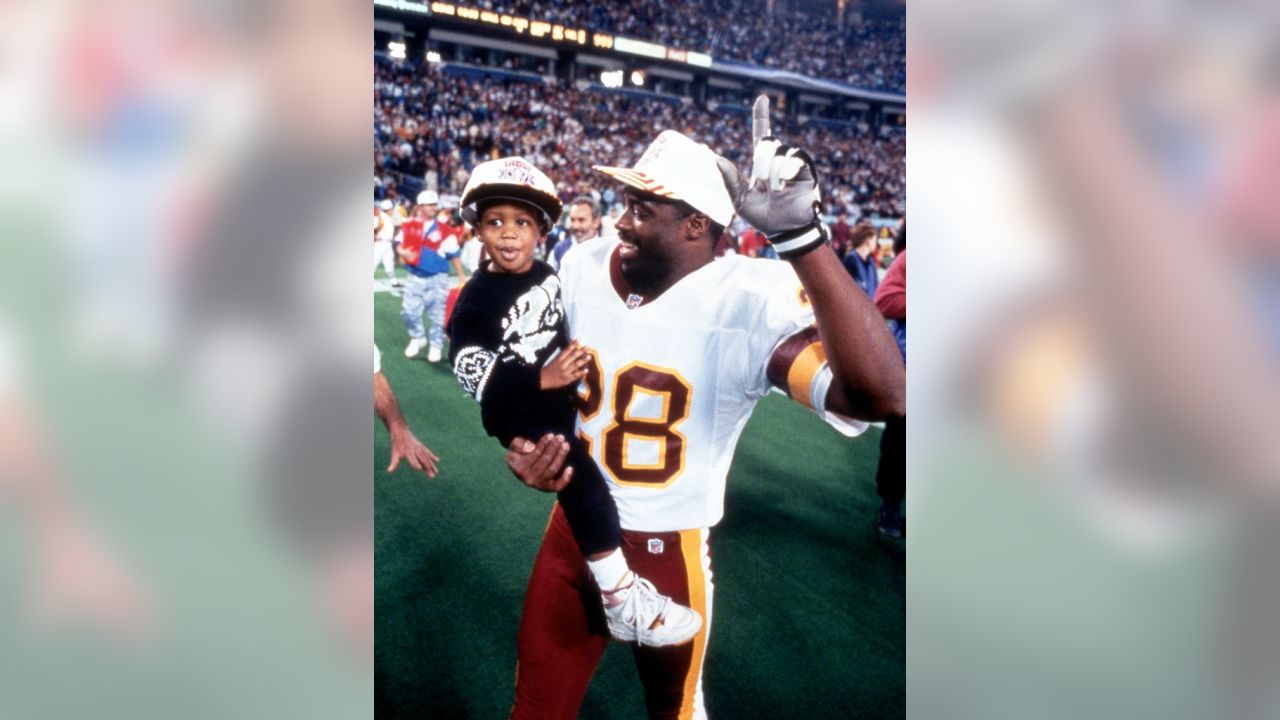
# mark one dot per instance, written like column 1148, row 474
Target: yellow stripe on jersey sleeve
column 795, row 364
column 803, row 370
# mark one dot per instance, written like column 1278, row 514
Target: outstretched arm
column 404, row 444
column 781, row 200
column 869, row 378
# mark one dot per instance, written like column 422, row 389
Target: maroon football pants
column 563, row 633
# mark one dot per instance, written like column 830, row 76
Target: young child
column 506, row 327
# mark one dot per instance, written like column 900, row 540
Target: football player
column 682, row 349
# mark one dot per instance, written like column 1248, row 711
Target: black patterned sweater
column 504, row 328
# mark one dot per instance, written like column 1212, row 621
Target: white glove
column 781, row 199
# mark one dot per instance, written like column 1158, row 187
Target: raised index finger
column 760, row 120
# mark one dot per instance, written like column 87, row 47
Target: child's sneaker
column 638, row 613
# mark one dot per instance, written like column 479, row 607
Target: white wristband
column 806, row 238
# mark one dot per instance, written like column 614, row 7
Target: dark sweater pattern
column 503, row 330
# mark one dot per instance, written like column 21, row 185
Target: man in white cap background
column 681, row 350
column 429, row 248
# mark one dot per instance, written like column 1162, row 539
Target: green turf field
column 809, row 613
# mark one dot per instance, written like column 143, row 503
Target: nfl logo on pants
column 655, row 546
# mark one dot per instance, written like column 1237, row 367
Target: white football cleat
column 415, row 347
column 644, row 616
column 433, row 354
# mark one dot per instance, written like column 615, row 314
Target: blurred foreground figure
column 1118, row 391
column 78, row 575
column 275, row 320
column 174, row 263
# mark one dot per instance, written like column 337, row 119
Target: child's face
column 509, row 233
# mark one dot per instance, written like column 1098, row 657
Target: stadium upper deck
column 862, row 47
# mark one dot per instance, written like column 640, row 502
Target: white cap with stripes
column 676, row 167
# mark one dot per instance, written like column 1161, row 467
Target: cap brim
column 548, row 204
column 470, row 212
column 643, row 182
column 635, row 179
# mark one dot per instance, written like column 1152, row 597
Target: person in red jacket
column 891, row 296
column 429, row 249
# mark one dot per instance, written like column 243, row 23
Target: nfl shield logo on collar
column 655, row 546
column 633, row 301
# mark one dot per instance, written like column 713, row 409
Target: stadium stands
column 869, row 52
column 432, row 123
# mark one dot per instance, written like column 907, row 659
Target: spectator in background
column 885, row 253
column 861, row 262
column 891, row 475
column 385, row 227
column 751, row 242
column 726, row 245
column 431, row 179
column 544, row 249
column 462, row 120
column 472, row 251
column 584, row 224
column 868, row 51
column 840, row 235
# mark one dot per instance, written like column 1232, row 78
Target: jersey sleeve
column 798, row 367
column 793, row 359
column 780, row 309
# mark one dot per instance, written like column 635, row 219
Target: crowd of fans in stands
column 869, row 52
column 431, row 127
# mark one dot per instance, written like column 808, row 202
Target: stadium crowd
column 869, row 52
column 431, row 127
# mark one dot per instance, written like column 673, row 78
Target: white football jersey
column 674, row 381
